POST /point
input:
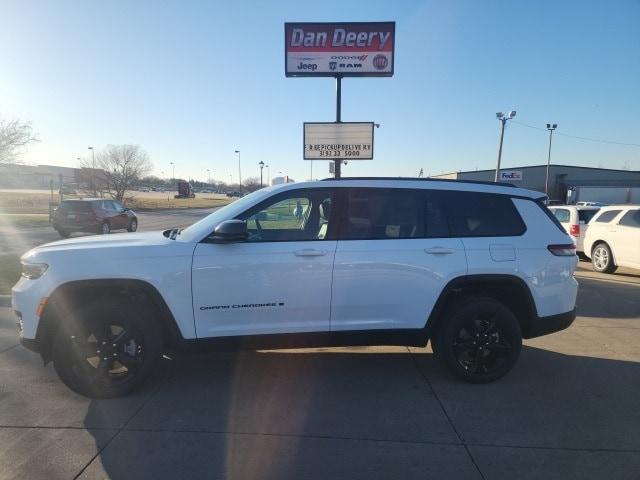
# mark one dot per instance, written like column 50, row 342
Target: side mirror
column 126, row 209
column 230, row 231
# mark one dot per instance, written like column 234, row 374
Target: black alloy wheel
column 480, row 341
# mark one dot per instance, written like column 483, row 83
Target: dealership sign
column 338, row 141
column 345, row 49
column 510, row 175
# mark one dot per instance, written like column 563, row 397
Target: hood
column 118, row 240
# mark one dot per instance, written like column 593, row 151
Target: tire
column 479, row 340
column 105, row 228
column 107, row 348
column 133, row 225
column 602, row 259
column 64, row 233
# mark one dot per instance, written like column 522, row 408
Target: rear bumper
column 554, row 323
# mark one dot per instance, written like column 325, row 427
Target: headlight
column 33, row 270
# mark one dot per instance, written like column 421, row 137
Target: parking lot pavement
column 568, row 410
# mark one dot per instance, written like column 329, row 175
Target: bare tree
column 123, row 166
column 15, row 136
column 251, row 184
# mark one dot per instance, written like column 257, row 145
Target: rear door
column 394, row 256
column 117, row 216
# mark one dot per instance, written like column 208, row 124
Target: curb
column 5, row 300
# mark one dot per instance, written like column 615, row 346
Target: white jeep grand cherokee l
column 474, row 267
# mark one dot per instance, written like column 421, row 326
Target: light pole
column 208, row 177
column 173, row 170
column 268, row 175
column 551, row 128
column 239, row 171
column 503, row 120
column 261, row 167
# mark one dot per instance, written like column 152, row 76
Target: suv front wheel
column 107, row 348
column 479, row 340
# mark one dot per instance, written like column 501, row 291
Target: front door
column 279, row 280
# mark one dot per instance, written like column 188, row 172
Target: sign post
column 355, row 49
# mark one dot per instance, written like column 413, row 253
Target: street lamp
column 551, row 127
column 261, row 167
column 209, row 177
column 239, row 171
column 503, row 117
column 268, row 175
column 173, row 170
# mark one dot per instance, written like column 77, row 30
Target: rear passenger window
column 484, row 215
column 607, row 216
column 562, row 215
column 631, row 219
column 382, row 214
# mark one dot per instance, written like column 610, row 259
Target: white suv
column 613, row 238
column 474, row 267
column 574, row 219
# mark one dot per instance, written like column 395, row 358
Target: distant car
column 144, row 189
column 591, row 204
column 94, row 216
column 574, row 220
column 234, row 194
column 67, row 190
column 613, row 238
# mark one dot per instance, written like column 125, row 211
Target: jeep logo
column 307, row 66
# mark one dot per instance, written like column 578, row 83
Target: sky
column 190, row 82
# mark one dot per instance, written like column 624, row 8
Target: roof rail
column 452, row 180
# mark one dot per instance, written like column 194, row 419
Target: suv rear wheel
column 106, row 349
column 479, row 340
column 602, row 259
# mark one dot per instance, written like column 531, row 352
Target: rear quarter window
column 606, row 217
column 476, row 214
column 75, row 206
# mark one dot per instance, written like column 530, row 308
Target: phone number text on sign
column 338, row 151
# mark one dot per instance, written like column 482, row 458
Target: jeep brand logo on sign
column 348, row 49
column 510, row 175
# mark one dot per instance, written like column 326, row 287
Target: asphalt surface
column 568, row 410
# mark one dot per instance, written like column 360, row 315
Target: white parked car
column 613, row 238
column 474, row 267
column 575, row 220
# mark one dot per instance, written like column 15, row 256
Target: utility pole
column 503, row 120
column 173, row 171
column 551, row 128
column 338, row 163
column 261, row 167
column 239, row 172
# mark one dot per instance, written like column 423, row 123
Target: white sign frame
column 356, row 136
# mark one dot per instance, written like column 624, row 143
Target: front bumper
column 553, row 323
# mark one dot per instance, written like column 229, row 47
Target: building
column 280, row 180
column 48, row 176
column 567, row 184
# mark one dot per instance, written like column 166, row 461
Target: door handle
column 439, row 251
column 309, row 252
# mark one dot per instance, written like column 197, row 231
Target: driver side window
column 302, row 216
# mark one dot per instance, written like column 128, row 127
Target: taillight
column 574, row 230
column 567, row 250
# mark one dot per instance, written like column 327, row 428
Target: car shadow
column 365, row 413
